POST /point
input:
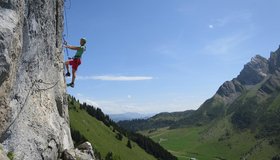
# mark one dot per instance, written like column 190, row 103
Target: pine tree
column 109, row 156
column 129, row 144
column 119, row 136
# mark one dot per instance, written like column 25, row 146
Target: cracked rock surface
column 34, row 120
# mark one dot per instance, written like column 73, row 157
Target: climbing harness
column 37, row 89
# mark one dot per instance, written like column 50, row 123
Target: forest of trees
column 77, row 137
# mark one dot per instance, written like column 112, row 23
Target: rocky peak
column 254, row 71
column 230, row 90
column 274, row 61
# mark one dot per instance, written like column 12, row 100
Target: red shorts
column 75, row 63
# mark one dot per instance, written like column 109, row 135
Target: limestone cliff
column 33, row 106
column 253, row 73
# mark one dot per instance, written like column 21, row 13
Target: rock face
column 230, row 90
column 274, row 61
column 253, row 73
column 83, row 152
column 33, row 106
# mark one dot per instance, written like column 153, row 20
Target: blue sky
column 152, row 56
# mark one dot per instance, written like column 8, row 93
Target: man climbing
column 75, row 61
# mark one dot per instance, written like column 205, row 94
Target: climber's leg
column 67, row 68
column 73, row 78
column 73, row 75
column 74, row 63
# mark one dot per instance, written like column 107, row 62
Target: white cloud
column 126, row 104
column 87, row 100
column 114, row 106
column 235, row 17
column 115, row 78
column 91, row 102
column 225, row 45
column 210, row 26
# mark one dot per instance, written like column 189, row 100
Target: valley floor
column 213, row 142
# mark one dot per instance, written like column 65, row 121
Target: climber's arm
column 73, row 47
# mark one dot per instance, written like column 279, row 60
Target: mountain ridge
column 129, row 116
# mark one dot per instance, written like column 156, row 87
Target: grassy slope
column 103, row 138
column 275, row 104
column 214, row 141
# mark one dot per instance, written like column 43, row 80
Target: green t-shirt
column 80, row 52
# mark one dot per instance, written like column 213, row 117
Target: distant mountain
column 158, row 121
column 129, row 116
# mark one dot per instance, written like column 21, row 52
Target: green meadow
column 103, row 138
column 213, row 142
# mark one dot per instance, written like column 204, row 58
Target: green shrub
column 119, row 136
column 11, row 155
column 129, row 144
column 109, row 156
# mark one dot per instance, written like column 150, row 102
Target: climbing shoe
column 70, row 85
column 67, row 74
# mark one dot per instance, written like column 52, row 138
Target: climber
column 75, row 61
